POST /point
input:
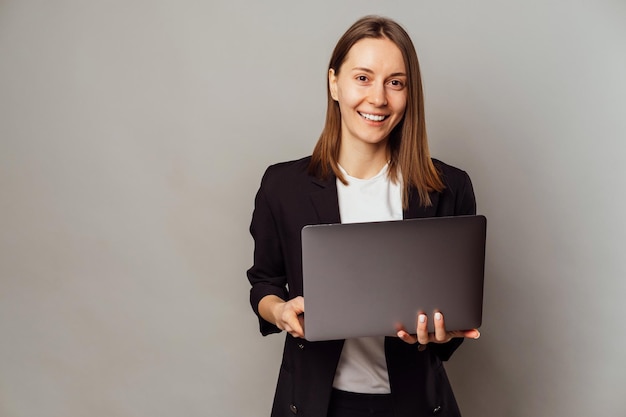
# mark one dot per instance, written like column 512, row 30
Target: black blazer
column 288, row 199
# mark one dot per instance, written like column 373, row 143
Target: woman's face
column 370, row 88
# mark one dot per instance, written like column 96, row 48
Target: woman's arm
column 267, row 274
column 444, row 342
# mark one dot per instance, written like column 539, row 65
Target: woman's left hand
column 440, row 334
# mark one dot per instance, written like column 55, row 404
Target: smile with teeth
column 373, row 117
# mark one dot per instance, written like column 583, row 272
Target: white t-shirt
column 362, row 366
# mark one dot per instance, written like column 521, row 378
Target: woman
column 371, row 163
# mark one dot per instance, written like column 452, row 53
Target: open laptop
column 369, row 279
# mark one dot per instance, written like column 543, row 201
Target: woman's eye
column 396, row 83
column 362, row 78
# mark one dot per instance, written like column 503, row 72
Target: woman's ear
column 332, row 83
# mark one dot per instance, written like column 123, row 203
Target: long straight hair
column 408, row 144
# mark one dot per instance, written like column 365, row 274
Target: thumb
column 298, row 304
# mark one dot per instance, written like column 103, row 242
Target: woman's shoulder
column 283, row 173
column 450, row 175
column 294, row 166
column 458, row 195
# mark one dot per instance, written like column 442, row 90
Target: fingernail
column 437, row 316
column 478, row 335
column 422, row 318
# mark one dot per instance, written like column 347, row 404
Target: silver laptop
column 369, row 279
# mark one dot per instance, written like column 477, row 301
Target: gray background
column 133, row 136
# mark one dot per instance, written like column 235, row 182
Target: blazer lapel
column 325, row 201
column 416, row 210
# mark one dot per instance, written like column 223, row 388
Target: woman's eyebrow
column 363, row 69
column 369, row 71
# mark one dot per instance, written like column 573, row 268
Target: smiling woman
column 371, row 163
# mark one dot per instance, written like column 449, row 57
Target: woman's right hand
column 286, row 315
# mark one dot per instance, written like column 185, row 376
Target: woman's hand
column 286, row 315
column 439, row 336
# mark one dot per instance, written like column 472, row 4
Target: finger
column 440, row 328
column 297, row 334
column 471, row 334
column 295, row 326
column 422, row 329
column 298, row 310
column 405, row 337
column 288, row 318
column 295, row 331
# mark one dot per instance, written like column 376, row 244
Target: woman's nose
column 377, row 95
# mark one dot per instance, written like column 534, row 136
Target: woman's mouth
column 373, row 117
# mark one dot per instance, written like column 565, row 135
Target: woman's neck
column 363, row 163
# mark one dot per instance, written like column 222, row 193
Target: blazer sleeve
column 267, row 274
column 465, row 198
column 464, row 205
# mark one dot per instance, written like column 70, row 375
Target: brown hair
column 408, row 144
